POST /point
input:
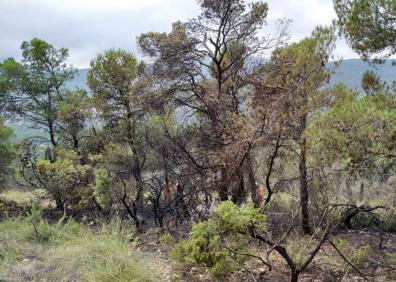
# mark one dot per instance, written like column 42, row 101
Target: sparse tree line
column 206, row 129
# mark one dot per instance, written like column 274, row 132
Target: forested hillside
column 348, row 72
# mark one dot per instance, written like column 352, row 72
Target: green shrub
column 210, row 241
column 341, row 243
column 102, row 184
column 7, row 152
column 298, row 248
column 66, row 180
column 383, row 219
column 391, row 258
column 388, row 219
column 166, row 239
column 360, row 256
column 12, row 209
column 366, row 220
column 232, row 218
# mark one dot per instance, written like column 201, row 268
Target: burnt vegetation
column 241, row 160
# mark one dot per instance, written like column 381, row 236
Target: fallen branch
column 250, row 255
column 347, row 260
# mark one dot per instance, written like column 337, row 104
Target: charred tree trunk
column 353, row 211
column 271, row 164
column 76, row 144
column 136, row 171
column 294, row 275
column 223, row 185
column 304, row 194
column 50, row 122
column 239, row 193
column 252, row 180
column 51, row 130
column 136, row 203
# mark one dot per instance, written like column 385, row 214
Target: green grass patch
column 71, row 251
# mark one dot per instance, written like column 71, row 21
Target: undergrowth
column 218, row 242
column 68, row 250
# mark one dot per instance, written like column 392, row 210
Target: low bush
column 384, row 219
column 12, row 209
column 357, row 256
column 102, row 184
column 360, row 256
column 166, row 239
column 366, row 220
column 298, row 249
column 388, row 219
column 219, row 242
column 66, row 180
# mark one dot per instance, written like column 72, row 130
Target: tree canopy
column 368, row 25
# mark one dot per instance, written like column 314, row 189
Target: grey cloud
column 87, row 27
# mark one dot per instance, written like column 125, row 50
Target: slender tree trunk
column 294, row 276
column 136, row 171
column 223, row 185
column 75, row 143
column 239, row 193
column 52, row 133
column 218, row 132
column 137, row 202
column 361, row 192
column 50, row 121
column 304, row 194
column 252, row 180
column 223, row 181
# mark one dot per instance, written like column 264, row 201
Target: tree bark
column 294, row 276
column 239, row 193
column 252, row 180
column 223, row 185
column 304, row 194
column 75, row 143
column 52, row 133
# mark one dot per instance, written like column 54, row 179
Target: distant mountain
column 80, row 80
column 350, row 72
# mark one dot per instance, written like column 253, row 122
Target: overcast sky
column 88, row 27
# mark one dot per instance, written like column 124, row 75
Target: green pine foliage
column 217, row 242
column 102, row 186
column 358, row 130
column 6, row 151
